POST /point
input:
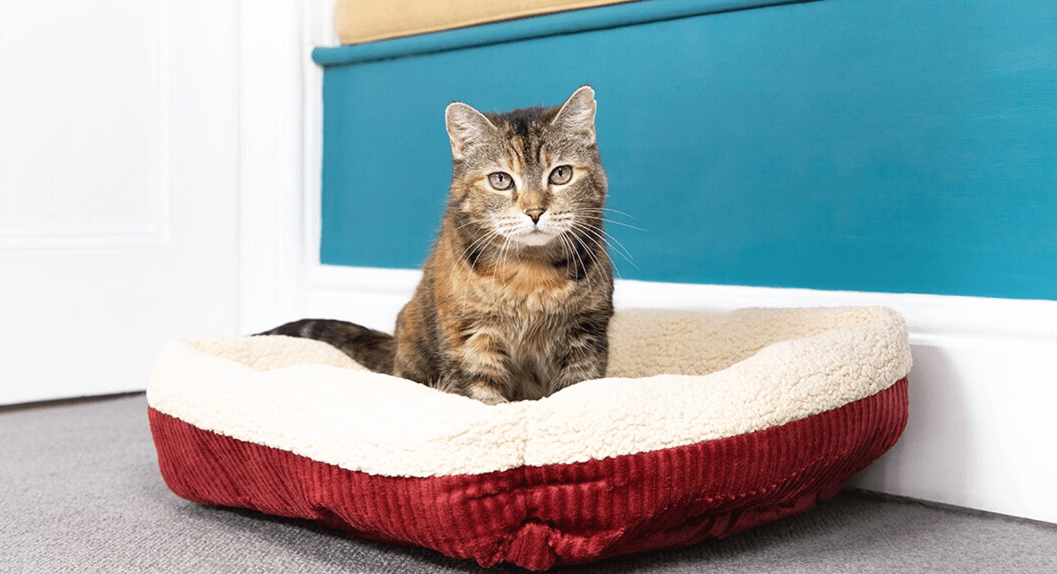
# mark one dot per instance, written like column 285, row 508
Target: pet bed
column 706, row 424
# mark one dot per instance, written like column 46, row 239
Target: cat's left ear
column 577, row 115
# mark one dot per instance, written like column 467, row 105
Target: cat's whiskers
column 489, row 234
column 596, row 211
column 500, row 269
column 567, row 244
column 503, row 228
column 621, row 224
column 609, row 209
column 576, row 254
column 574, row 258
column 480, row 241
column 607, row 237
column 470, row 222
column 611, row 241
column 597, row 237
column 507, row 239
column 568, row 222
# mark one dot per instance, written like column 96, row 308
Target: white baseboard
column 982, row 391
column 369, row 296
column 926, row 315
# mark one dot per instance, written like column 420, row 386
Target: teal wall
column 893, row 145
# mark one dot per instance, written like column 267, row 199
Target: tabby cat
column 516, row 295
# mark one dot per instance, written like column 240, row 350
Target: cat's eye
column 561, row 175
column 500, row 181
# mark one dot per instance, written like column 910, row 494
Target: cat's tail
column 372, row 349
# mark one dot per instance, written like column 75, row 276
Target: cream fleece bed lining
column 737, row 373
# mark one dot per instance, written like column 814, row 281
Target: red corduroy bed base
column 539, row 517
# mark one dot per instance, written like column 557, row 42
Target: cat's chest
column 526, row 290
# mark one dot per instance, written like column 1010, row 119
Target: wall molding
column 280, row 160
column 928, row 316
column 981, row 388
column 273, row 88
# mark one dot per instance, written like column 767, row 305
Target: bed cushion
column 706, row 424
column 360, row 21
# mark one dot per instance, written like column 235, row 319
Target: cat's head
column 530, row 177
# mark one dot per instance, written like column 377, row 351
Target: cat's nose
column 535, row 213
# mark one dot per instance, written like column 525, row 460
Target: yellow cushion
column 360, row 21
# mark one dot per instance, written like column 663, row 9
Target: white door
column 118, row 188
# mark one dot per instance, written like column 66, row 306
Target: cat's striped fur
column 516, row 295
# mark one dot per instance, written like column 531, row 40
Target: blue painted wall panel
column 892, row 146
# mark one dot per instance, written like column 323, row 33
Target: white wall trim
column 272, row 119
column 927, row 315
column 281, row 119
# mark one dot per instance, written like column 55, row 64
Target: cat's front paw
column 486, row 394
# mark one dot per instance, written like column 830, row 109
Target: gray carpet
column 80, row 492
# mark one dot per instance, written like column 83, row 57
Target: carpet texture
column 80, row 491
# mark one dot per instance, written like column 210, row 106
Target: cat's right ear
column 466, row 126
